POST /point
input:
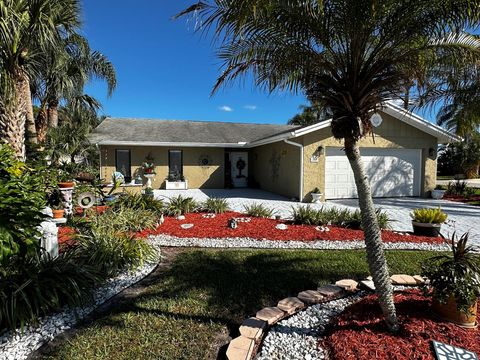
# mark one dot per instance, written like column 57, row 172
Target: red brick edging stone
column 254, row 328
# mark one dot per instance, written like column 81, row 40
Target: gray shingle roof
column 113, row 130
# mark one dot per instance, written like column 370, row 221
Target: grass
column 187, row 311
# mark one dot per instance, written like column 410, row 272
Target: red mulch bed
column 259, row 228
column 462, row 199
column 360, row 333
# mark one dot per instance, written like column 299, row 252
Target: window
column 123, row 164
column 175, row 165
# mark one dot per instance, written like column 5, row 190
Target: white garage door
column 392, row 172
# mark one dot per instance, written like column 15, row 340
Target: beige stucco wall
column 391, row 133
column 276, row 168
column 210, row 177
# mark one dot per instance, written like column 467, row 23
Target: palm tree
column 27, row 29
column 64, row 75
column 310, row 115
column 352, row 56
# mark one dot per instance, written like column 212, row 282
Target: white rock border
column 19, row 345
column 173, row 241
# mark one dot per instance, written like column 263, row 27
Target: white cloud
column 225, row 108
column 250, row 107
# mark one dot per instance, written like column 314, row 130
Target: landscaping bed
column 264, row 228
column 360, row 333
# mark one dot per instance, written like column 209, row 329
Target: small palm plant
column 455, row 280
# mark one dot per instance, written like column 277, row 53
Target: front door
column 239, row 168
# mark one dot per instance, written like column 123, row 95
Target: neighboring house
column 400, row 158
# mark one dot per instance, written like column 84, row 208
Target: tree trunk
column 42, row 123
column 30, row 119
column 13, row 116
column 373, row 237
column 53, row 113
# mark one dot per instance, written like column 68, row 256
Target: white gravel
column 17, row 346
column 168, row 240
column 297, row 336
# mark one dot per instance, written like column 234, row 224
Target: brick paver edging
column 253, row 329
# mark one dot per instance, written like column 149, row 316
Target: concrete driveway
column 462, row 217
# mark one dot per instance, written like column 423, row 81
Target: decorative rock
column 322, row 229
column 419, row 279
column 208, row 216
column 186, row 226
column 181, row 217
column 240, row 348
column 253, row 328
column 310, row 296
column 402, row 279
column 270, row 314
column 290, row 305
column 331, row 291
column 368, row 285
column 347, row 284
column 281, row 227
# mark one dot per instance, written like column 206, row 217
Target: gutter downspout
column 300, row 197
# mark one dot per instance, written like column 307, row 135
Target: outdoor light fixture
column 432, row 153
column 320, row 150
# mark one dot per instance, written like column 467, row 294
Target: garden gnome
column 232, row 223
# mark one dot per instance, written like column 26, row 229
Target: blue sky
column 165, row 70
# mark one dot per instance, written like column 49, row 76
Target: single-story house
column 400, row 158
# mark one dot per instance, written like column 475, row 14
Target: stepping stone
column 290, row 305
column 281, row 227
column 310, row 296
column 368, row 285
column 270, row 314
column 347, row 284
column 402, row 279
column 186, row 226
column 331, row 291
column 240, row 348
column 419, row 279
column 253, row 328
column 180, row 217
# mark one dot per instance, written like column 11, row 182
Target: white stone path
column 462, row 217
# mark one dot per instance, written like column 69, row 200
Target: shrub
column 215, row 205
column 180, row 206
column 139, row 202
column 125, row 220
column 22, row 199
column 305, row 215
column 456, row 274
column 432, row 216
column 258, row 210
column 459, row 188
column 33, row 286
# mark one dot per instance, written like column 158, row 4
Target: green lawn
column 204, row 295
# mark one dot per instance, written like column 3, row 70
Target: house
column 400, row 158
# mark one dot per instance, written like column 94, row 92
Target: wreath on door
column 240, row 165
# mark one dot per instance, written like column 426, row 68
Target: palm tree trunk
column 52, row 112
column 13, row 116
column 31, row 129
column 373, row 237
column 41, row 123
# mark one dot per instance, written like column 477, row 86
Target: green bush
column 258, row 210
column 125, row 220
column 180, row 206
column 215, row 205
column 139, row 202
column 33, row 286
column 459, row 188
column 306, row 215
column 22, row 198
column 431, row 216
column 456, row 274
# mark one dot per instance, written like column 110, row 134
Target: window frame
column 129, row 170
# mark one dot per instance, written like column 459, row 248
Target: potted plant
column 438, row 192
column 54, row 201
column 148, row 165
column 454, row 282
column 176, row 181
column 65, row 180
column 427, row 222
column 58, row 211
column 316, row 195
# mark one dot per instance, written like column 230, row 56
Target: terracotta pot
column 58, row 214
column 426, row 229
column 66, row 184
column 450, row 313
